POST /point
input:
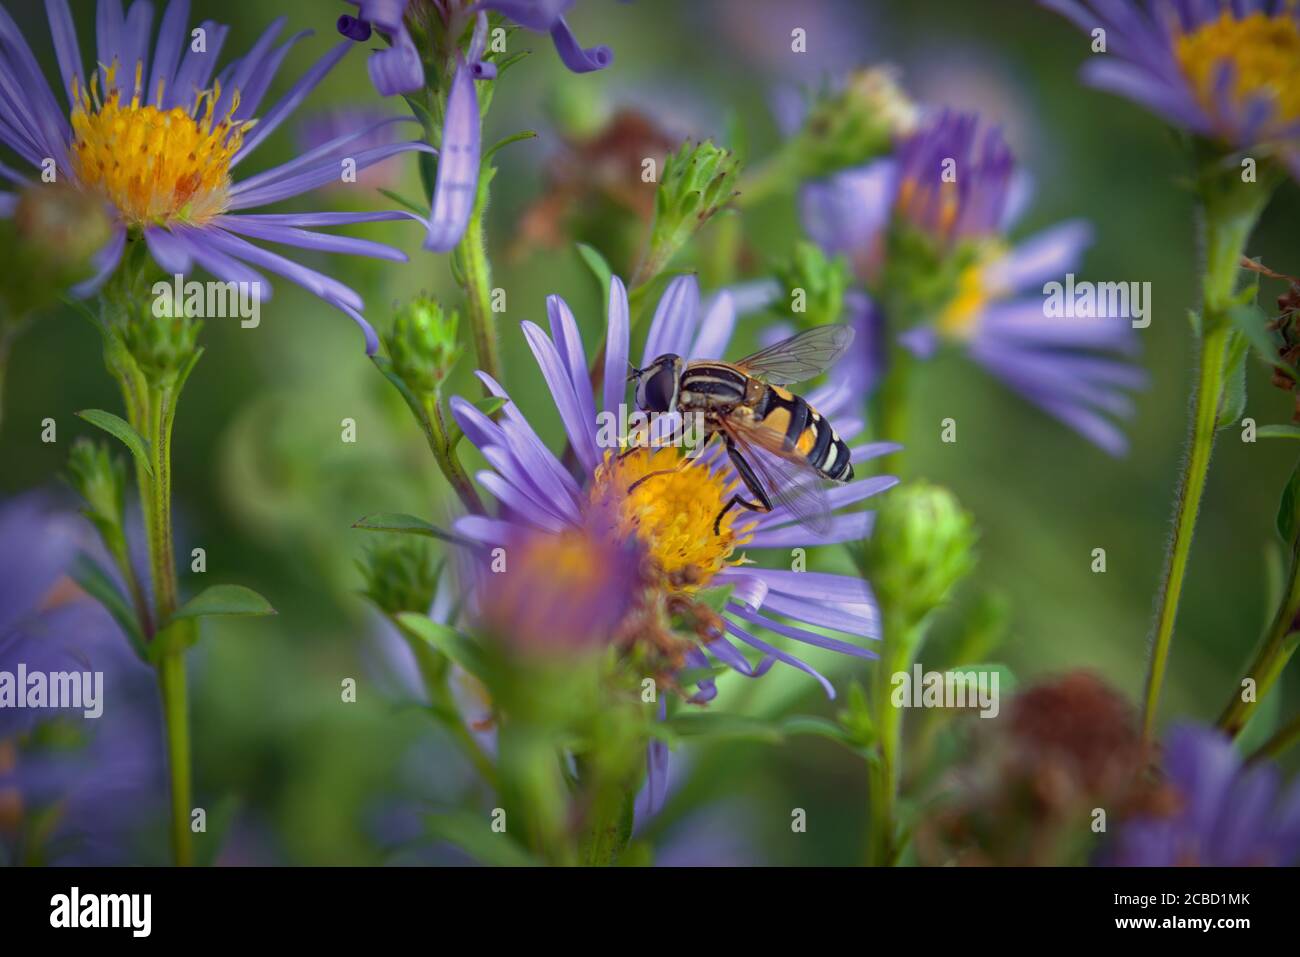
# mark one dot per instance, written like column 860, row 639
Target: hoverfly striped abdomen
column 806, row 432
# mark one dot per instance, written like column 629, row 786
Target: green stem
column 445, row 455
column 779, row 173
column 1284, row 739
column 890, row 408
column 1272, row 655
column 884, row 772
column 1192, row 485
column 1228, row 216
column 161, row 411
column 478, row 284
column 171, row 680
column 436, row 673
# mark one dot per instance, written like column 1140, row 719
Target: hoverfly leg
column 746, row 472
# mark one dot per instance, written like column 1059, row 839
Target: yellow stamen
column 673, row 513
column 1264, row 52
column 155, row 166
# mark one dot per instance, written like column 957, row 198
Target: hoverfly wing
column 788, row 480
column 800, row 357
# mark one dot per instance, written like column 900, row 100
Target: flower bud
column 99, row 477
column 400, row 575
column 162, row 347
column 814, row 285
column 48, row 246
column 697, row 181
column 422, row 344
column 856, row 123
column 921, row 547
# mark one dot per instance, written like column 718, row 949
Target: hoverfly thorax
column 658, row 383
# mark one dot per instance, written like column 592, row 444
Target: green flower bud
column 697, row 182
column 814, row 285
column 99, row 477
column 855, row 124
column 423, row 344
column 163, row 348
column 922, row 546
column 400, row 575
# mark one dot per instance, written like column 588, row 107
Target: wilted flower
column 926, row 231
column 141, row 139
column 1226, row 70
column 397, row 69
column 1223, row 813
column 1026, row 793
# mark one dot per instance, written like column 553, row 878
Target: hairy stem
column 1228, row 216
column 478, row 285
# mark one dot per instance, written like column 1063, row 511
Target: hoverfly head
column 657, row 384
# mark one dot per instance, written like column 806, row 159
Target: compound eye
column 660, row 390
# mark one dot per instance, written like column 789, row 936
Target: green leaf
column 404, row 524
column 409, row 204
column 473, row 834
column 446, row 640
column 224, row 600
column 516, row 138
column 123, row 430
column 1288, row 510
column 1233, row 402
column 599, row 268
column 1278, row 432
column 1252, row 322
column 718, row 726
column 820, row 727
column 98, row 585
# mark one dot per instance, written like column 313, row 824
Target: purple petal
column 305, row 239
column 398, row 69
column 674, row 320
column 574, row 56
column 780, row 655
column 568, row 342
column 167, row 53
column 327, row 171
column 64, row 33
column 195, row 71
column 458, row 166
column 580, row 429
column 104, row 263
column 290, row 101
column 715, row 329
column 1045, row 256
column 617, row 333
column 536, row 15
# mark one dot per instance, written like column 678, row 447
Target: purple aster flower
column 1069, row 367
column 1226, row 70
column 1228, row 814
column 156, row 137
column 673, row 516
column 102, row 793
column 397, row 69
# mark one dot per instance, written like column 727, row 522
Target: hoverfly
column 782, row 448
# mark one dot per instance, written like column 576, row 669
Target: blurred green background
column 264, row 484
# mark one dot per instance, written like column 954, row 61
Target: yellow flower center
column 959, row 319
column 1264, row 52
column 157, row 167
column 672, row 512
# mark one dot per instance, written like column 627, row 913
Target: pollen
column 1264, row 52
column 670, row 503
column 156, row 166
